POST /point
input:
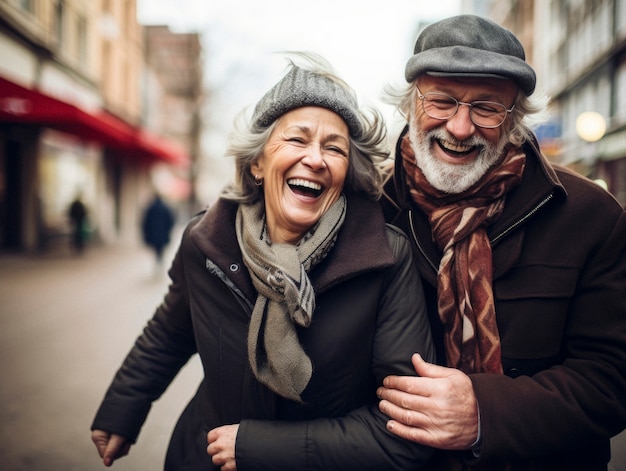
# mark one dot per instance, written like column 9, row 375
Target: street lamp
column 590, row 126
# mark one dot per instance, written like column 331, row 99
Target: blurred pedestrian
column 156, row 226
column 296, row 295
column 79, row 221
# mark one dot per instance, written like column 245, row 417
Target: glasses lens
column 439, row 106
column 488, row 113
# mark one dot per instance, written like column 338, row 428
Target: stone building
column 578, row 48
column 173, row 99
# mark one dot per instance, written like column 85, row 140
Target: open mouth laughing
column 456, row 149
column 305, row 187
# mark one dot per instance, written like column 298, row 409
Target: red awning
column 22, row 105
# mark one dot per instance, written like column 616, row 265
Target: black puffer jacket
column 370, row 317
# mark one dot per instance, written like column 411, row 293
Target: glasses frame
column 471, row 106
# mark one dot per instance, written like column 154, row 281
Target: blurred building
column 173, row 99
column 71, row 74
column 578, row 49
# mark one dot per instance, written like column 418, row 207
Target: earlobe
column 256, row 170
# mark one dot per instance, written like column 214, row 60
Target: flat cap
column 470, row 46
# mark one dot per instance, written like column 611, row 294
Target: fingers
column 221, row 446
column 213, row 449
column 430, row 370
column 100, row 438
column 423, row 384
column 413, row 434
column 430, row 425
column 411, row 384
column 404, row 408
column 110, row 446
column 437, row 408
column 402, row 396
column 118, row 447
column 409, row 423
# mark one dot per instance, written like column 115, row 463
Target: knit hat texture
column 301, row 87
column 470, row 46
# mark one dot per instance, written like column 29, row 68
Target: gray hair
column 529, row 111
column 367, row 137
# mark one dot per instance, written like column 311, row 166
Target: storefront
column 52, row 151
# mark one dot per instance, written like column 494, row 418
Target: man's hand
column 110, row 446
column 436, row 409
column 221, row 447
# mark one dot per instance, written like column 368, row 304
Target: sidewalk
column 67, row 323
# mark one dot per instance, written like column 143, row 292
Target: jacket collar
column 361, row 245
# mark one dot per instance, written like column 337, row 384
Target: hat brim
column 462, row 75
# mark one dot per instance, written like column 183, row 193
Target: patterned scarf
column 286, row 296
column 459, row 222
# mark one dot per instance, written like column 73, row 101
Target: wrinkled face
column 303, row 166
column 454, row 154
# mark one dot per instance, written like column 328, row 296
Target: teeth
column 304, row 183
column 456, row 147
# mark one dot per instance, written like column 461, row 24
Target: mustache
column 440, row 134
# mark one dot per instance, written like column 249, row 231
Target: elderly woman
column 295, row 294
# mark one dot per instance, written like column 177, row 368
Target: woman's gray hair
column 251, row 133
column 529, row 111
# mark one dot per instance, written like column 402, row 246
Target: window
column 59, row 14
column 81, row 37
column 27, row 5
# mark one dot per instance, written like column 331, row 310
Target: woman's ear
column 257, row 170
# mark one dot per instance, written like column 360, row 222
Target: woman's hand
column 222, row 446
column 110, row 445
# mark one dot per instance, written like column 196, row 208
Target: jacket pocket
column 532, row 305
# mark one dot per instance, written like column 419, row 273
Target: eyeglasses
column 485, row 114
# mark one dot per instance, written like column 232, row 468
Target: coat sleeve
column 359, row 440
column 579, row 401
column 163, row 348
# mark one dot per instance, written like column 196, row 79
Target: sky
column 367, row 42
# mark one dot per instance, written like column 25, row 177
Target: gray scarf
column 279, row 274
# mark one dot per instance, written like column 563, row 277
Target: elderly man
column 524, row 266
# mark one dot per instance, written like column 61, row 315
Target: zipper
column 417, row 242
column 513, row 226
column 492, row 241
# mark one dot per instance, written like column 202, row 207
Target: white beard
column 452, row 178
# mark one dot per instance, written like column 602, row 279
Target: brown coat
column 559, row 259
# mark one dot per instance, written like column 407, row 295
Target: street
column 67, row 323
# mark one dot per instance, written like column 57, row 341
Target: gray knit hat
column 301, row 87
column 470, row 46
